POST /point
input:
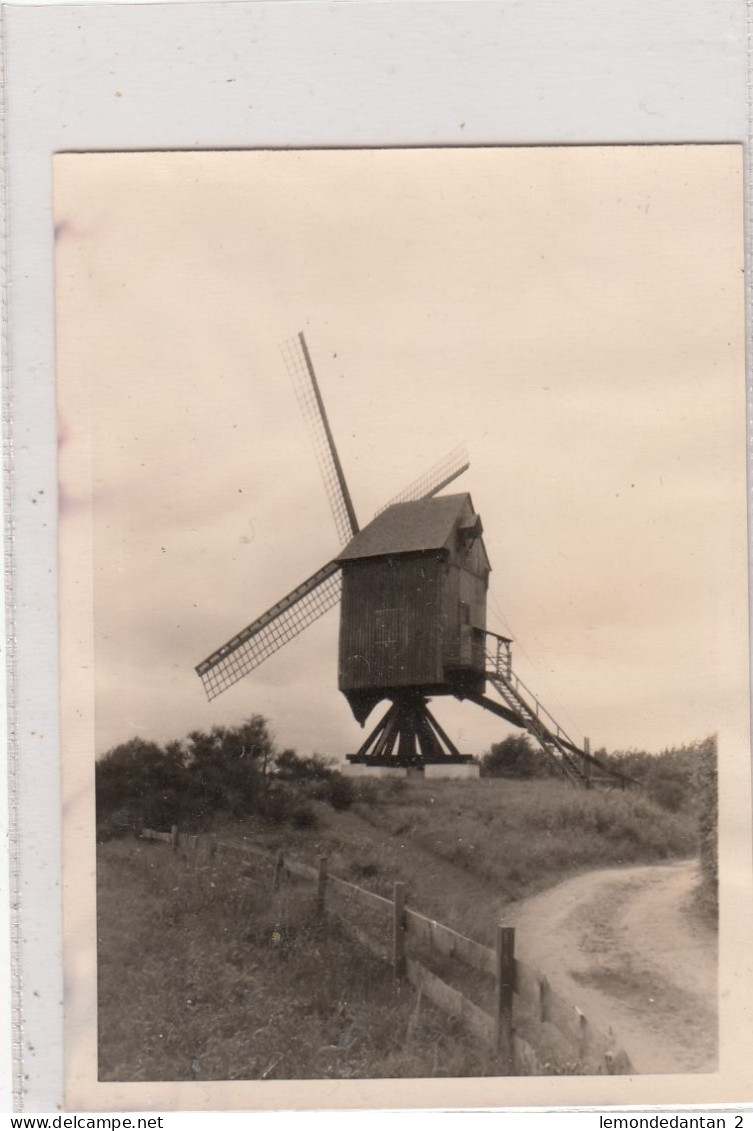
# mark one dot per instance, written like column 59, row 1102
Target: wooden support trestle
column 408, row 735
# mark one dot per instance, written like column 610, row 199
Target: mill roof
column 404, row 528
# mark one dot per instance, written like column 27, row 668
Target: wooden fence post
column 504, row 985
column 174, row 838
column 544, row 992
column 398, row 930
column 583, row 1034
column 321, row 886
column 279, row 861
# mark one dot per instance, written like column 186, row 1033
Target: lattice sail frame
column 269, row 632
column 298, row 364
column 449, row 467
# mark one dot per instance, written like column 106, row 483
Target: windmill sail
column 310, row 600
column 298, row 363
column 306, row 603
column 433, row 480
column 269, row 632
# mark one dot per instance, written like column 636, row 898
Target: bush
column 225, row 770
column 289, row 766
column 304, row 817
column 341, row 792
column 708, row 819
column 117, row 824
column 138, row 783
column 368, row 792
column 323, row 781
column 516, row 757
column 277, row 803
column 669, row 778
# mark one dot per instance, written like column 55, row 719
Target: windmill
column 413, row 586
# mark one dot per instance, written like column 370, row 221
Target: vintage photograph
column 404, row 607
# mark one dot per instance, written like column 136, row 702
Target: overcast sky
column 575, row 315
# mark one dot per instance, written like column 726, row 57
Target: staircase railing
column 505, row 673
column 576, row 762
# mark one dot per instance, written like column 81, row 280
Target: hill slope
column 210, row 978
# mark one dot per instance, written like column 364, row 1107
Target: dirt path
column 625, row 946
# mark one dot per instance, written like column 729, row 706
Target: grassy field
column 467, row 850
column 204, row 978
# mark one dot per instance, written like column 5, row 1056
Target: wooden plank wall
column 409, row 586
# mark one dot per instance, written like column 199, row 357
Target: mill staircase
column 522, row 708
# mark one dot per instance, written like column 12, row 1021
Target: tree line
column 233, row 770
column 240, row 771
column 672, row 778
